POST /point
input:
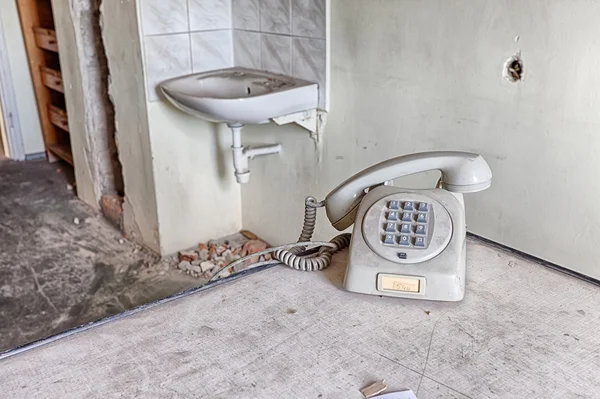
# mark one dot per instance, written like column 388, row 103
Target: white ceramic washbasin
column 239, row 95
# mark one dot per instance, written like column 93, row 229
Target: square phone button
column 389, row 239
column 390, row 227
column 392, row 216
column 407, row 217
column 405, row 240
column 423, row 207
column 422, row 218
column 420, row 242
column 409, row 206
column 394, row 205
column 406, row 228
column 421, row 231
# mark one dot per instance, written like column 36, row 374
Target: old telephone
column 405, row 243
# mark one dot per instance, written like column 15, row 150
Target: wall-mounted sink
column 240, row 96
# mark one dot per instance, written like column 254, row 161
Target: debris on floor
column 374, row 389
column 208, row 258
column 62, row 264
column 370, row 392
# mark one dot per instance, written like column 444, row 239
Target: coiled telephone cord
column 289, row 254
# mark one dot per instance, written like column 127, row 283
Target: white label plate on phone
column 400, row 284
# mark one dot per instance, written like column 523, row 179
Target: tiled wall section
column 281, row 36
column 185, row 36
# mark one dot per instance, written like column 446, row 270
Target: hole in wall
column 248, row 90
column 513, row 70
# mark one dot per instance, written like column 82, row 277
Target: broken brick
column 184, row 265
column 112, row 209
column 249, row 235
column 253, row 246
column 203, row 254
column 188, row 256
column 206, row 266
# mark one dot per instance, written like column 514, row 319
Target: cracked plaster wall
column 120, row 34
column 91, row 118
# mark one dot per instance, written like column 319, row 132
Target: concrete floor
column 55, row 274
column 522, row 331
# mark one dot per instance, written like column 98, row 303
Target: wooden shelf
column 58, row 117
column 52, row 79
column 62, row 151
column 41, row 43
column 46, row 39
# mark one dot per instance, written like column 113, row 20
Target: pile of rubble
column 204, row 261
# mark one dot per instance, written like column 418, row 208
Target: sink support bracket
column 313, row 120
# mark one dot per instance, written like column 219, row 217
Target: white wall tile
column 210, row 14
column 212, row 50
column 246, row 49
column 165, row 57
column 309, row 62
column 164, row 16
column 275, row 16
column 276, row 53
column 308, row 18
column 246, row 14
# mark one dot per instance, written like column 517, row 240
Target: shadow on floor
column 56, row 274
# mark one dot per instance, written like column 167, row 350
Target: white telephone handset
column 408, row 243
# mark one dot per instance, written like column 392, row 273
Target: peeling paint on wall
column 118, row 20
column 91, row 116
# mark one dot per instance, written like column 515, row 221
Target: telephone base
column 430, row 269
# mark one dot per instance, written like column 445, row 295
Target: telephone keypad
column 394, row 205
column 389, row 239
column 406, row 228
column 406, row 224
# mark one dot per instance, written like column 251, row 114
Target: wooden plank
column 30, row 19
column 52, row 79
column 62, row 151
column 46, row 39
column 59, row 117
